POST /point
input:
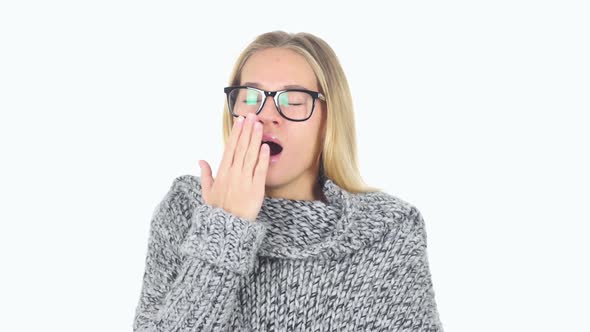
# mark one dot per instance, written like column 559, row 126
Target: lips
column 276, row 147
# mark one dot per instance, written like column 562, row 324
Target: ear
column 323, row 126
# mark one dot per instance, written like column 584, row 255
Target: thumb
column 206, row 177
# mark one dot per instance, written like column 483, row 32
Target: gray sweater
column 357, row 262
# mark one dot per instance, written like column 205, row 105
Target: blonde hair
column 339, row 160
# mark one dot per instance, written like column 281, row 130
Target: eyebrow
column 290, row 86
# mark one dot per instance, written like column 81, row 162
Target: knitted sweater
column 357, row 262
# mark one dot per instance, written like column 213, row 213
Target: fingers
column 206, row 178
column 262, row 165
column 228, row 154
column 251, row 157
column 243, row 143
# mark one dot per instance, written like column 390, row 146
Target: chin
column 273, row 180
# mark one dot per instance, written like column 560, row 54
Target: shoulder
column 396, row 217
column 384, row 205
column 385, row 202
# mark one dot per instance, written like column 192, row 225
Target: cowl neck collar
column 308, row 228
column 300, row 229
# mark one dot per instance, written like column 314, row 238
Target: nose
column 269, row 113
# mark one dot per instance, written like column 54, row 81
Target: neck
column 302, row 188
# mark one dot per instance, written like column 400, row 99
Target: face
column 295, row 170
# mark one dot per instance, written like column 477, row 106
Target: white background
column 476, row 112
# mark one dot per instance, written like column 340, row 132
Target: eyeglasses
column 292, row 104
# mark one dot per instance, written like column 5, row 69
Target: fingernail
column 240, row 118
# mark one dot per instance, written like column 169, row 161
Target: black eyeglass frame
column 275, row 94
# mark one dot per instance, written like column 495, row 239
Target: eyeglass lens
column 294, row 105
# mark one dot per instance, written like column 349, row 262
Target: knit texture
column 357, row 262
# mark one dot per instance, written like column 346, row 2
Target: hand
column 239, row 185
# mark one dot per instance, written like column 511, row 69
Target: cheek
column 306, row 142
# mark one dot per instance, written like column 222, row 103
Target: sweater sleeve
column 194, row 266
column 412, row 307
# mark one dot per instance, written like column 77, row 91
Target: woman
column 286, row 237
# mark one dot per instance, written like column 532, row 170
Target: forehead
column 275, row 68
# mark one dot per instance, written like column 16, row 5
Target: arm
column 194, row 265
column 412, row 305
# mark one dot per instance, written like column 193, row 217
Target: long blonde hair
column 339, row 160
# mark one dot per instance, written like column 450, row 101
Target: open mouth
column 274, row 147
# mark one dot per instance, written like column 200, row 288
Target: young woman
column 286, row 237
